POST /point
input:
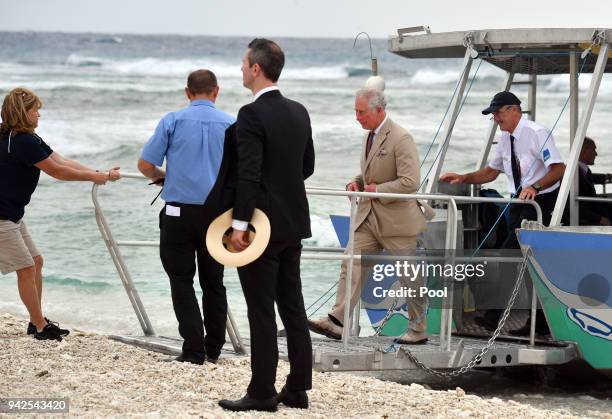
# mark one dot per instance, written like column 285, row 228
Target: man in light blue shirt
column 191, row 141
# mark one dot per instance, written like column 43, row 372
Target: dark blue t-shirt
column 18, row 175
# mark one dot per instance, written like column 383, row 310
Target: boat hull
column 571, row 273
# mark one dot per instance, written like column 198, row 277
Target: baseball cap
column 501, row 99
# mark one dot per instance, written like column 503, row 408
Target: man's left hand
column 528, row 193
column 239, row 240
column 370, row 187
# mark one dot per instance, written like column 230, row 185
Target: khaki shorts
column 17, row 250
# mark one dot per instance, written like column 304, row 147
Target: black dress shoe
column 296, row 399
column 521, row 331
column 212, row 360
column 486, row 322
column 186, row 358
column 249, row 403
column 541, row 329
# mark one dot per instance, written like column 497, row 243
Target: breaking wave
column 180, row 67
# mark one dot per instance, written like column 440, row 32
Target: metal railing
column 593, row 199
column 320, row 253
column 124, row 274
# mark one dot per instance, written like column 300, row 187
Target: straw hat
column 217, row 239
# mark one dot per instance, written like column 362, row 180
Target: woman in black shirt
column 23, row 154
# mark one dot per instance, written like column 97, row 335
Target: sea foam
column 180, row 67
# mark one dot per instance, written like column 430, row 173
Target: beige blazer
column 393, row 165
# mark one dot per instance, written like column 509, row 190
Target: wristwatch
column 537, row 186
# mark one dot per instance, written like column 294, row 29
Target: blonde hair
column 17, row 103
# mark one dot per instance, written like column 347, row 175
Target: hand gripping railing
column 124, row 274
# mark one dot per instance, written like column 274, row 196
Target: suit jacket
column 591, row 212
column 393, row 164
column 221, row 197
column 268, row 153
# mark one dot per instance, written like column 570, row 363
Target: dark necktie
column 516, row 169
column 369, row 143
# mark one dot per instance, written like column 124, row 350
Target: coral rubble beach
column 102, row 377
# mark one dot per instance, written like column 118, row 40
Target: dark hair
column 201, row 81
column 588, row 141
column 269, row 56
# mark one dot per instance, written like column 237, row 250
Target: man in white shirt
column 527, row 154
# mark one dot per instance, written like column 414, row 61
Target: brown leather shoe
column 412, row 337
column 326, row 328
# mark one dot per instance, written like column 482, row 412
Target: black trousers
column 181, row 241
column 275, row 277
column 518, row 213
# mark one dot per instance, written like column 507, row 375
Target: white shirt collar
column 264, row 90
column 519, row 127
column 377, row 130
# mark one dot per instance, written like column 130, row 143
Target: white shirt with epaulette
column 535, row 151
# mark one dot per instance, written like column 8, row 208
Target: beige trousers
column 367, row 239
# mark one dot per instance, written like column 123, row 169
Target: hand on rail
column 239, row 240
column 114, row 174
column 370, row 188
column 99, row 178
column 159, row 181
column 528, row 193
column 352, row 187
column 452, row 178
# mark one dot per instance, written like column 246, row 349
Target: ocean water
column 105, row 94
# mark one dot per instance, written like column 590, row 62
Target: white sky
column 294, row 18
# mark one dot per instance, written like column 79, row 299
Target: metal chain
column 478, row 357
column 386, row 318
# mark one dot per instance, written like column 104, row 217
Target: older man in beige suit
column 389, row 164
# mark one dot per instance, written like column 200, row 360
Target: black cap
column 501, row 99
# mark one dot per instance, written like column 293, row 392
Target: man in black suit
column 591, row 213
column 275, row 155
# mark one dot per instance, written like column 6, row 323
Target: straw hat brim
column 226, row 257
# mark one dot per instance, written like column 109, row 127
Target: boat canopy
column 521, row 51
